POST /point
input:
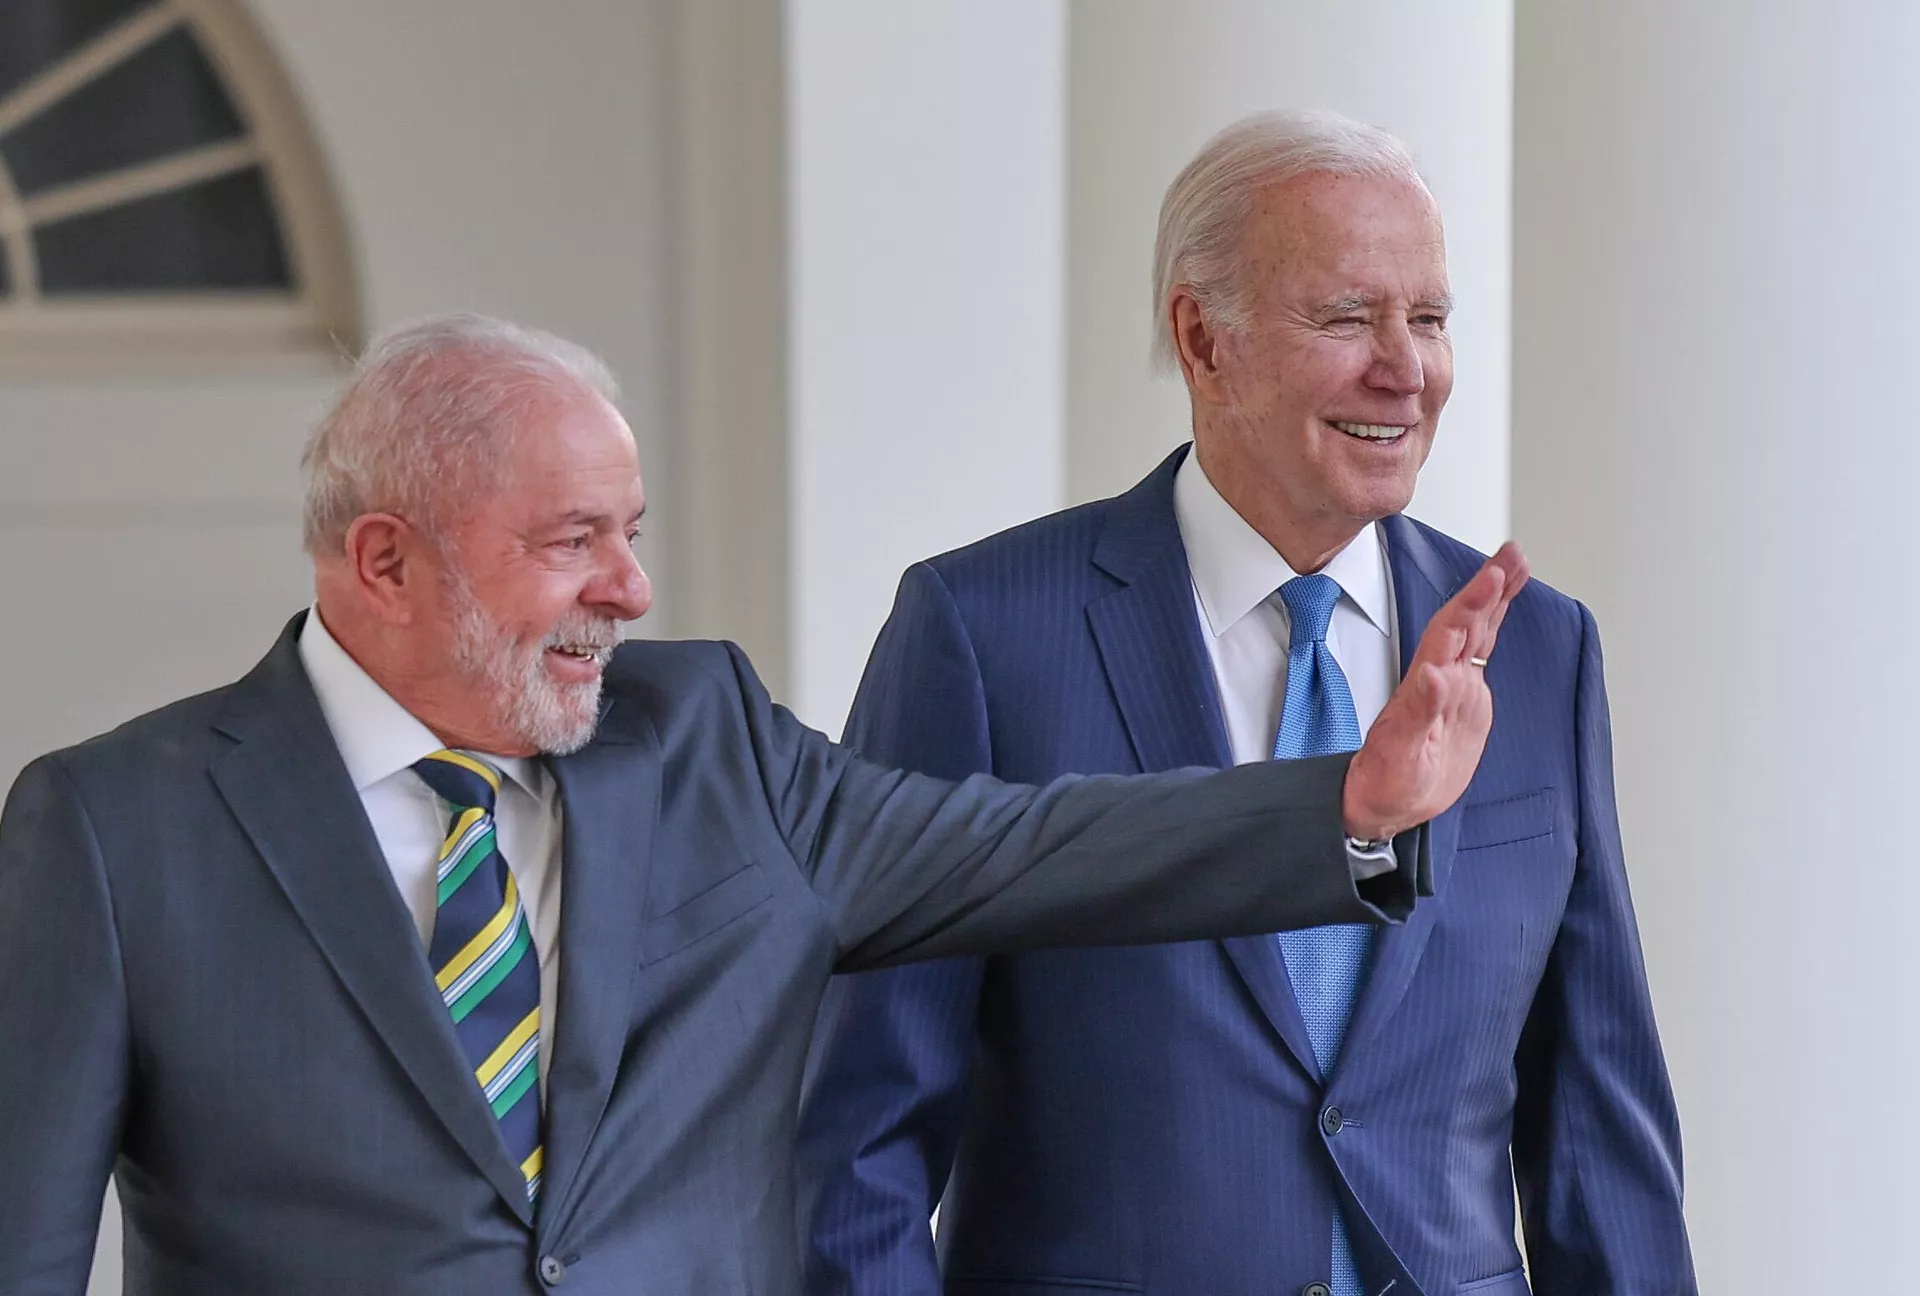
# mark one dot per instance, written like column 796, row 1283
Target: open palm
column 1422, row 751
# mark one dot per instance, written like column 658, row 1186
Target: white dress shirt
column 1237, row 577
column 380, row 740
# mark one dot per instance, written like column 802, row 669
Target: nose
column 622, row 589
column 1397, row 366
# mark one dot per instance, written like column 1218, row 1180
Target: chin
column 1372, row 505
column 555, row 719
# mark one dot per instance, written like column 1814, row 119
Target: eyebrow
column 583, row 517
column 1361, row 301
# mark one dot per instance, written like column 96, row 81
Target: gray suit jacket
column 211, row 989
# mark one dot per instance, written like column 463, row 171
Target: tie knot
column 1310, row 601
column 460, row 779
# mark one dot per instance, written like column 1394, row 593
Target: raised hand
column 1423, row 750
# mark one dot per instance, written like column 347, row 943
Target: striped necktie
column 1324, row 964
column 483, row 957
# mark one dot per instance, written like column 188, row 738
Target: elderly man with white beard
column 457, row 949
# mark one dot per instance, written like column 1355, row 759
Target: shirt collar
column 377, row 737
column 1235, row 569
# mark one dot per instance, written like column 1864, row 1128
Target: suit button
column 552, row 1270
column 1316, row 1289
column 1332, row 1121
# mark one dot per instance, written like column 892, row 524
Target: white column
column 1716, row 269
column 1151, row 81
column 926, row 186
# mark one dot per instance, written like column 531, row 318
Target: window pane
column 221, row 234
column 161, row 101
column 35, row 34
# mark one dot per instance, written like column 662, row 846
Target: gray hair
column 1207, row 205
column 427, row 416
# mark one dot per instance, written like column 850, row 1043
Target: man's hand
column 1423, row 750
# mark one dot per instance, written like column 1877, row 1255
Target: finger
column 1511, row 560
column 1445, row 640
column 1518, row 572
column 1414, row 706
column 1458, row 625
column 1515, row 572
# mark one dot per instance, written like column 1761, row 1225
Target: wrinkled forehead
column 566, row 455
column 1369, row 235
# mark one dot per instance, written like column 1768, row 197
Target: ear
column 388, row 561
column 1197, row 347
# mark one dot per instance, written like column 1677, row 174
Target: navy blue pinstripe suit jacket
column 1151, row 1119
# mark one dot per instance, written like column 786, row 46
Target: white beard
column 530, row 704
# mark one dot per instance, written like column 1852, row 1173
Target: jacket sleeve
column 881, row 1113
column 1596, row 1139
column 907, row 867
column 63, row 1013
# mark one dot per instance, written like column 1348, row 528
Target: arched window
column 160, row 192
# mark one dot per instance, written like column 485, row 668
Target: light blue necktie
column 1325, row 964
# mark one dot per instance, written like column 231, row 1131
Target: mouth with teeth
column 1378, row 433
column 579, row 661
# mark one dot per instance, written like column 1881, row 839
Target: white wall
column 1151, row 81
column 504, row 163
column 510, row 160
column 515, row 161
column 926, row 173
column 149, row 545
column 1716, row 203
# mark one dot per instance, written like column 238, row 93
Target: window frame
column 315, row 323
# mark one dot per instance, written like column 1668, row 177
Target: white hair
column 427, row 416
column 1205, row 211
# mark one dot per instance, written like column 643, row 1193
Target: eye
column 575, row 542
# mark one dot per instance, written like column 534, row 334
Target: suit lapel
column 1149, row 641
column 1162, row 680
column 1421, row 584
column 610, row 792
column 290, row 792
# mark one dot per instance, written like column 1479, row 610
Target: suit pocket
column 1510, row 819
column 1506, row 1284
column 721, row 903
column 964, row 1286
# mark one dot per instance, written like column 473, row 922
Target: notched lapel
column 290, row 792
column 1148, row 639
column 1162, row 680
column 610, row 791
column 1258, row 961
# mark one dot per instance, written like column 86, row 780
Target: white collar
column 1235, row 569
column 377, row 737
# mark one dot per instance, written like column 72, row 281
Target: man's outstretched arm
column 912, row 868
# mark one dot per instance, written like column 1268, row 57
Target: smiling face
column 1314, row 419
column 523, row 598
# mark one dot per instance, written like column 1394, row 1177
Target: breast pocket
column 720, row 904
column 1506, row 820
column 1506, row 1284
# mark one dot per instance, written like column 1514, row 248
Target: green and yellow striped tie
column 483, row 957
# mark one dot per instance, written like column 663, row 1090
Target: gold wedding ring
column 1477, row 661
